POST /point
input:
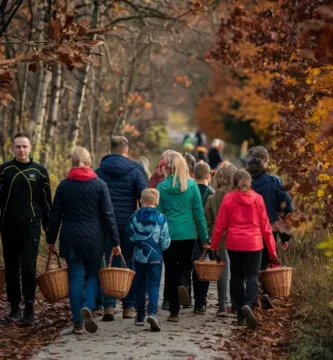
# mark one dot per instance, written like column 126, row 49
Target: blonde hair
column 81, row 157
column 165, row 153
column 224, row 176
column 175, row 164
column 242, row 180
column 150, row 197
column 145, row 163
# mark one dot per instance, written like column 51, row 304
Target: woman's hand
column 51, row 248
column 275, row 260
column 116, row 250
column 284, row 246
column 206, row 246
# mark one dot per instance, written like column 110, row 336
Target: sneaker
column 266, row 303
column 139, row 322
column 152, row 321
column 199, row 311
column 78, row 328
column 250, row 319
column 129, row 313
column 173, row 318
column 108, row 314
column 89, row 322
column 184, row 298
column 15, row 314
column 221, row 313
column 165, row 305
column 28, row 315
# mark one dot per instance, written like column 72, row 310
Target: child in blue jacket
column 148, row 230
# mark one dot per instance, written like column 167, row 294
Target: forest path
column 195, row 337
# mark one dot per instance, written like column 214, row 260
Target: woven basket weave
column 116, row 282
column 208, row 270
column 2, row 278
column 53, row 284
column 277, row 281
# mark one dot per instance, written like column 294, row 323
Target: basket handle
column 49, row 260
column 218, row 259
column 124, row 265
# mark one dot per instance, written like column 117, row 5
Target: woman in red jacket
column 244, row 218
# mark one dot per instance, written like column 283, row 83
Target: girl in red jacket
column 244, row 218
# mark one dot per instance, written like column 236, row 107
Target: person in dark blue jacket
column 125, row 183
column 277, row 201
column 82, row 205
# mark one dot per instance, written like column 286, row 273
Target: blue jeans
column 127, row 250
column 223, row 281
column 83, row 285
column 147, row 275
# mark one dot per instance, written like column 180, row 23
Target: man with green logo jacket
column 25, row 201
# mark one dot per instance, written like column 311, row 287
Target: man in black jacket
column 125, row 181
column 25, row 201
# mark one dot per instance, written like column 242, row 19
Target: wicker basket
column 208, row 270
column 53, row 284
column 2, row 278
column 116, row 282
column 277, row 281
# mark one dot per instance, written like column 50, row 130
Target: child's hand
column 284, row 246
column 206, row 246
column 116, row 250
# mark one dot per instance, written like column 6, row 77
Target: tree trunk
column 90, row 115
column 52, row 119
column 75, row 118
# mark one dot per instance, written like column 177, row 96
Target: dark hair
column 259, row 152
column 255, row 167
column 242, row 180
column 190, row 161
column 21, row 135
column 118, row 144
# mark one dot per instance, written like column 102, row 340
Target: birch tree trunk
column 52, row 119
column 75, row 118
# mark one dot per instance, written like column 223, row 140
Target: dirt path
column 195, row 337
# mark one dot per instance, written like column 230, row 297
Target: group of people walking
column 167, row 218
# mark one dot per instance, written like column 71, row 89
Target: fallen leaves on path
column 19, row 342
column 271, row 340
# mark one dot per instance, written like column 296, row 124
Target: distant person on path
column 148, row 230
column 181, row 203
column 224, row 179
column 25, row 203
column 244, row 218
column 82, row 205
column 125, row 183
column 214, row 154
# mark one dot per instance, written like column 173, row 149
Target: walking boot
column 250, row 319
column 129, row 313
column 108, row 314
column 15, row 313
column 28, row 313
column 89, row 322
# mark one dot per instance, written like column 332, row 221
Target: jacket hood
column 244, row 198
column 81, row 174
column 175, row 190
column 260, row 183
column 147, row 216
column 116, row 165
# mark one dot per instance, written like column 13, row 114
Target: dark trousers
column 200, row 289
column 127, row 249
column 147, row 276
column 245, row 267
column 178, row 267
column 20, row 250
